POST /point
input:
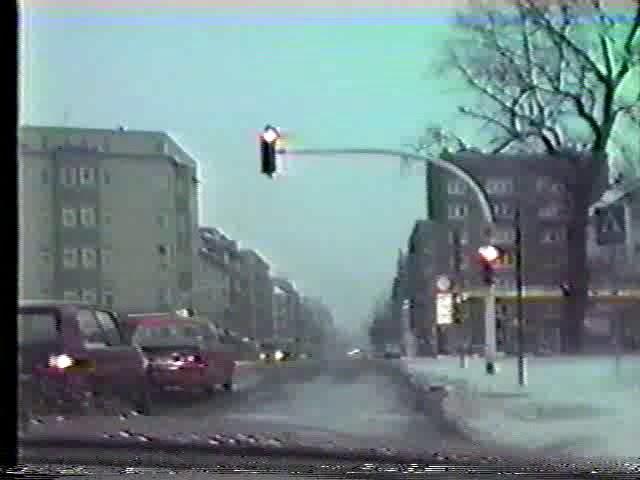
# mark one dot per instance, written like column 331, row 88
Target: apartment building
column 257, row 312
column 286, row 308
column 537, row 185
column 213, row 290
column 107, row 216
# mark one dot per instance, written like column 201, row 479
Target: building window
column 503, row 210
column 106, row 177
column 68, row 176
column 70, row 258
column 89, row 257
column 553, row 236
column 163, row 250
column 182, row 223
column 45, row 256
column 504, row 236
column 45, row 176
column 106, row 218
column 106, row 257
column 163, row 220
column 557, row 188
column 89, row 295
column 69, row 217
column 107, row 298
column 71, row 295
column 457, row 211
column 456, row 187
column 184, row 281
column 88, row 216
column 542, row 184
column 499, row 186
column 87, row 175
column 164, row 296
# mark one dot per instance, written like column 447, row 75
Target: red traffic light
column 270, row 134
column 489, row 253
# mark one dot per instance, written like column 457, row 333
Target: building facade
column 213, row 291
column 257, row 311
column 536, row 185
column 286, row 308
column 108, row 216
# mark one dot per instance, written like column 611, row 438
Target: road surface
column 336, row 406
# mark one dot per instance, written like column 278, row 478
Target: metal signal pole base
column 490, row 331
column 522, row 371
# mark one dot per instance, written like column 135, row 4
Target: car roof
column 52, row 303
column 162, row 320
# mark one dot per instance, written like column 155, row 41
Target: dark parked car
column 72, row 354
column 183, row 353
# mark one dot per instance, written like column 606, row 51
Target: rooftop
column 183, row 157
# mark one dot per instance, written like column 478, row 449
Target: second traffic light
column 268, row 150
column 489, row 255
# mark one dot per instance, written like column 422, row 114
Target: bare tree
column 555, row 76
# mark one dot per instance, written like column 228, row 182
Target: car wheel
column 142, row 399
column 228, row 385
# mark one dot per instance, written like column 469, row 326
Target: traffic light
column 268, row 141
column 458, row 309
column 489, row 256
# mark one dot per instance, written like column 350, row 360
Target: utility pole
column 522, row 366
column 458, row 285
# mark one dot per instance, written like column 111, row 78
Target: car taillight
column 61, row 361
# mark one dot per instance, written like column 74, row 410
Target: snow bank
column 580, row 406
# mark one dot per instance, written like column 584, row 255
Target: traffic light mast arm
column 478, row 189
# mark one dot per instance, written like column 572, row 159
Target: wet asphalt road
column 341, row 405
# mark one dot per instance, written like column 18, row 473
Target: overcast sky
column 215, row 76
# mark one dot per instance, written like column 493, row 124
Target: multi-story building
column 424, row 262
column 108, row 216
column 535, row 185
column 212, row 296
column 286, row 308
column 614, row 260
column 399, row 299
column 257, row 316
column 317, row 325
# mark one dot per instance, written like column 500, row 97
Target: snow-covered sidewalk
column 580, row 406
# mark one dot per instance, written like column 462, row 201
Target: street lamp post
column 474, row 185
column 522, row 366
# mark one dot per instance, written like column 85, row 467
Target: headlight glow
column 263, row 356
column 60, row 361
column 279, row 355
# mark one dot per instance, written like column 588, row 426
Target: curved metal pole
column 485, row 205
column 481, row 194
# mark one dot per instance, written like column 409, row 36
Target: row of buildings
column 111, row 217
column 446, row 244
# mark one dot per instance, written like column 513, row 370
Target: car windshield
column 377, row 228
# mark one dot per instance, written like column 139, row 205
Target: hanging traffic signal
column 489, row 255
column 268, row 141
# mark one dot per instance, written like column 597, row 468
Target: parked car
column 183, row 353
column 71, row 354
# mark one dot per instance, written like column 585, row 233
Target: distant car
column 183, row 353
column 72, row 353
column 392, row 352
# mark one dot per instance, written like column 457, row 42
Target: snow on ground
column 580, row 406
